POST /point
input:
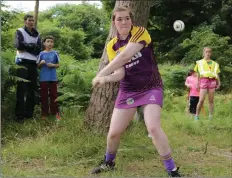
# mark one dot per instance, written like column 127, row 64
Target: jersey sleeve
column 140, row 35
column 57, row 57
column 110, row 51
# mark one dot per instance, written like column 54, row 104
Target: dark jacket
column 21, row 45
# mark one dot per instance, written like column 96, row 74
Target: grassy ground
column 39, row 148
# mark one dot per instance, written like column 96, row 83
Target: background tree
column 36, row 12
column 101, row 105
column 162, row 15
column 67, row 23
column 90, row 25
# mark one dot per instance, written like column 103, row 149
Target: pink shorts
column 208, row 83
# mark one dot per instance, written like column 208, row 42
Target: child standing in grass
column 48, row 61
column 208, row 80
column 193, row 96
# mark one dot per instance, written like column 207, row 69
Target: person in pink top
column 191, row 83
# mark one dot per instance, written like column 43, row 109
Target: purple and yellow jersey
column 141, row 72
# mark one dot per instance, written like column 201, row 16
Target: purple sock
column 110, row 157
column 168, row 162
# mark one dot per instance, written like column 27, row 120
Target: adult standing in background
column 208, row 80
column 28, row 44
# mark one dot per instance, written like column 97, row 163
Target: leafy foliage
column 80, row 30
column 174, row 77
column 8, row 83
column 222, row 51
column 10, row 22
column 75, row 81
column 165, row 12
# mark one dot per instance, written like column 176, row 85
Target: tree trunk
column 36, row 12
column 98, row 114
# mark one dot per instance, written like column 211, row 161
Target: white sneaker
column 210, row 117
column 149, row 136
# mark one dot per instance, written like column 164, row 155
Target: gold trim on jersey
column 138, row 34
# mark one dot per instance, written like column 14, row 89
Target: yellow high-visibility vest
column 205, row 71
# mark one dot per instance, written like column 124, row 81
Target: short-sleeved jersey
column 141, row 72
column 48, row 73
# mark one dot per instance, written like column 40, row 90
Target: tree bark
column 99, row 111
column 36, row 12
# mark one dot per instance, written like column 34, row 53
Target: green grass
column 66, row 148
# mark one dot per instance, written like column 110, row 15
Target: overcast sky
column 43, row 5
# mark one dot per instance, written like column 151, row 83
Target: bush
column 8, row 83
column 75, row 81
column 222, row 51
column 173, row 77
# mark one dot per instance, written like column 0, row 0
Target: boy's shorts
column 208, row 83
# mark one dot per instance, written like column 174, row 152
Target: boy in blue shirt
column 48, row 61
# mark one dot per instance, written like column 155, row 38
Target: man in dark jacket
column 28, row 44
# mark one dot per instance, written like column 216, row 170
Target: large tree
column 69, row 22
column 36, row 12
column 101, row 105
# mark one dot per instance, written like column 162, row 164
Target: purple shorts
column 208, row 83
column 127, row 100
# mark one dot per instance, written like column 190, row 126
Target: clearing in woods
column 200, row 148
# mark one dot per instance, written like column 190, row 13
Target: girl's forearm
column 122, row 58
column 115, row 77
column 114, row 65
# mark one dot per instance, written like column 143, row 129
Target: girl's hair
column 45, row 38
column 205, row 49
column 121, row 9
column 27, row 16
column 190, row 72
column 48, row 37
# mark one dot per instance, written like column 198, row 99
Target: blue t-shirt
column 48, row 73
